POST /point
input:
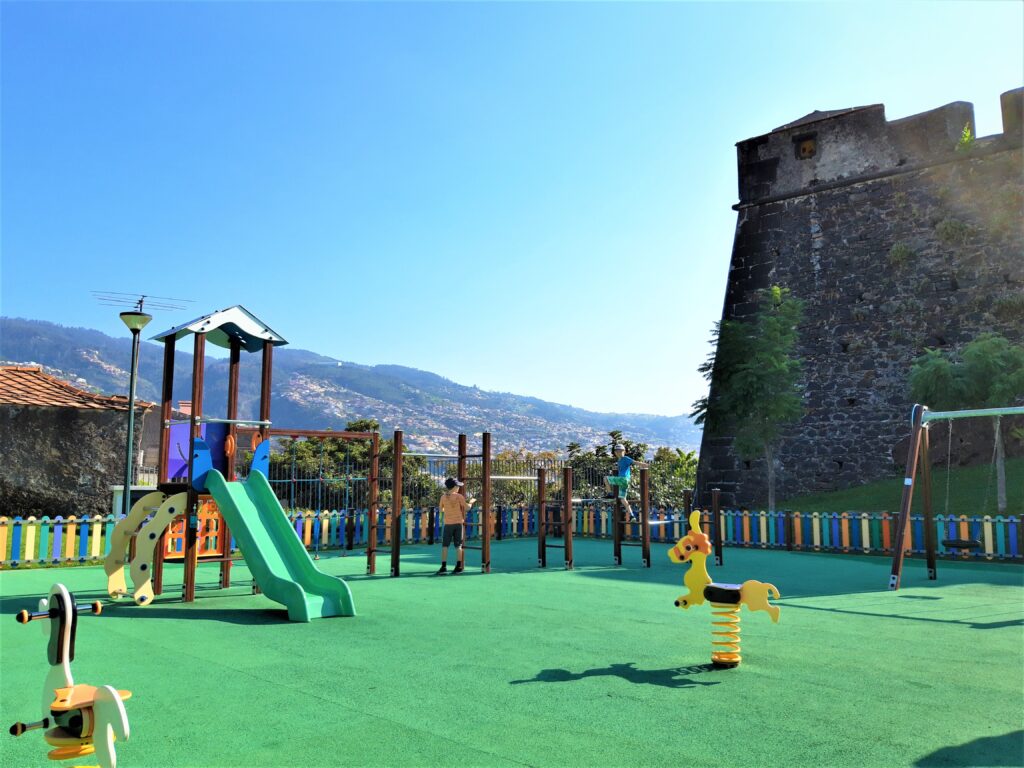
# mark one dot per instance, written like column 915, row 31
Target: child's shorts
column 622, row 483
column 452, row 533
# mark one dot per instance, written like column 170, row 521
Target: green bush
column 900, row 254
column 1009, row 307
column 952, row 231
column 966, row 142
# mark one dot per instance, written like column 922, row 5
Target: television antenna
column 137, row 301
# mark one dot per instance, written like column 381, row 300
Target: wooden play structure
column 559, row 517
column 555, row 516
column 918, row 457
column 144, row 550
column 234, row 329
column 725, row 599
column 86, row 719
column 182, row 495
column 394, row 518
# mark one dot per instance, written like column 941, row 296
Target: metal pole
column 1013, row 410
column 618, row 521
column 126, row 493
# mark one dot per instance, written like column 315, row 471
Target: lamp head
column 135, row 321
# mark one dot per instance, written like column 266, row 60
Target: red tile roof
column 28, row 385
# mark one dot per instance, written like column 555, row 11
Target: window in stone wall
column 806, row 145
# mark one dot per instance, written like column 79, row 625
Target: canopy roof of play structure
column 224, row 325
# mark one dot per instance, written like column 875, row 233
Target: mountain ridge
column 314, row 391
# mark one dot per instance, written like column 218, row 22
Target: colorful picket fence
column 58, row 541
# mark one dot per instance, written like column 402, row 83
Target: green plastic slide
column 279, row 562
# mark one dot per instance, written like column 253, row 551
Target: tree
column 673, row 471
column 754, row 374
column 988, row 373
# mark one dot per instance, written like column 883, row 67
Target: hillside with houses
column 311, row 391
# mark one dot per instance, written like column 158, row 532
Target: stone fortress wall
column 896, row 241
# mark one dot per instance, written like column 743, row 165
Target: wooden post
column 916, row 421
column 225, row 531
column 567, row 515
column 266, row 380
column 191, row 510
column 461, row 472
column 166, row 396
column 645, row 517
column 233, row 369
column 926, row 498
column 374, row 499
column 396, row 509
column 485, row 504
column 542, row 518
column 371, row 522
column 618, row 521
column 716, row 523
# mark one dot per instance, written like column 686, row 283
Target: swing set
column 918, row 457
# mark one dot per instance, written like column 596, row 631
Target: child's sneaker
column 458, row 569
column 442, row 571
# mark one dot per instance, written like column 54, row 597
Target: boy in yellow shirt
column 453, row 509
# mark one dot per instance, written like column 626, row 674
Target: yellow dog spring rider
column 85, row 719
column 725, row 599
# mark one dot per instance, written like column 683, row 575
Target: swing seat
column 961, row 543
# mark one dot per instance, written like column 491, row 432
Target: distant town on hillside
column 311, row 391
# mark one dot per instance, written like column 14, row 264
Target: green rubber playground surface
column 529, row 667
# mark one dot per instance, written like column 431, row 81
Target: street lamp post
column 135, row 321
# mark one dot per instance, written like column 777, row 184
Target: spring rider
column 85, row 719
column 725, row 599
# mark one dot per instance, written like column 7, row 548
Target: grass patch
column 953, row 231
column 900, row 254
column 967, row 491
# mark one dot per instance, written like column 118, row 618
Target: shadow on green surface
column 190, row 611
column 1005, row 750
column 673, row 677
column 1017, row 622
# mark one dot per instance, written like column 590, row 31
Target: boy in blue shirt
column 621, row 481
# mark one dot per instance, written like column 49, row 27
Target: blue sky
column 505, row 194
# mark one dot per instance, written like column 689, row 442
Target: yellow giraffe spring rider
column 725, row 599
column 85, row 719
